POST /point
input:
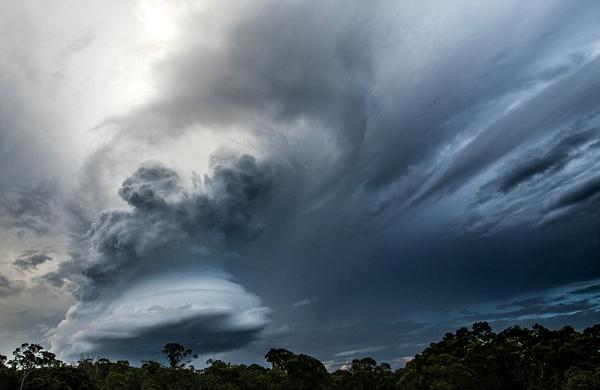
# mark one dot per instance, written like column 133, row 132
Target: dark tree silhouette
column 28, row 357
column 303, row 371
column 469, row 359
column 177, row 353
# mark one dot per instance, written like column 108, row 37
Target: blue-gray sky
column 340, row 178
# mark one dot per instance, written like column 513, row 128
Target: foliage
column 516, row 358
column 176, row 353
column 468, row 359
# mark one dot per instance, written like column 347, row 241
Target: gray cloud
column 149, row 187
column 29, row 260
column 208, row 313
column 586, row 290
column 553, row 182
column 321, row 70
column 10, row 287
column 339, row 106
column 30, row 209
column 548, row 110
column 580, row 194
column 572, row 302
column 307, row 106
column 548, row 161
column 218, row 212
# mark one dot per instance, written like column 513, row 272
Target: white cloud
column 206, row 313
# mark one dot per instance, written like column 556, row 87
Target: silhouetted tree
column 303, row 371
column 469, row 359
column 28, row 357
column 177, row 353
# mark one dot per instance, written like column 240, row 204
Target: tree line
column 468, row 359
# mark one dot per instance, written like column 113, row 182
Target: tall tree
column 176, row 355
column 28, row 357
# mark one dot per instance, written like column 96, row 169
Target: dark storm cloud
column 217, row 213
column 9, row 287
column 407, row 136
column 566, row 102
column 547, row 309
column 391, row 341
column 464, row 86
column 338, row 103
column 29, row 260
column 565, row 302
column 388, row 127
column 579, row 194
column 337, row 344
column 545, row 162
column 211, row 332
column 587, row 290
column 135, row 254
column 296, row 76
column 552, row 182
column 148, row 187
column 289, row 61
column 523, row 303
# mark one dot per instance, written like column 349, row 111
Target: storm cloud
column 339, row 178
column 556, row 181
column 137, row 287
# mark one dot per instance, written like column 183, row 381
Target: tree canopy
column 468, row 359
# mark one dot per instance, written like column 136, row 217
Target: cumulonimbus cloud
column 154, row 273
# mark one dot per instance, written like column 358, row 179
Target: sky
column 338, row 178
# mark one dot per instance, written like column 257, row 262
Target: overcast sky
column 339, row 178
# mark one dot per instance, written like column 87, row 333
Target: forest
column 476, row 358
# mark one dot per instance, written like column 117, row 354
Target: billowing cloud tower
column 154, row 273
